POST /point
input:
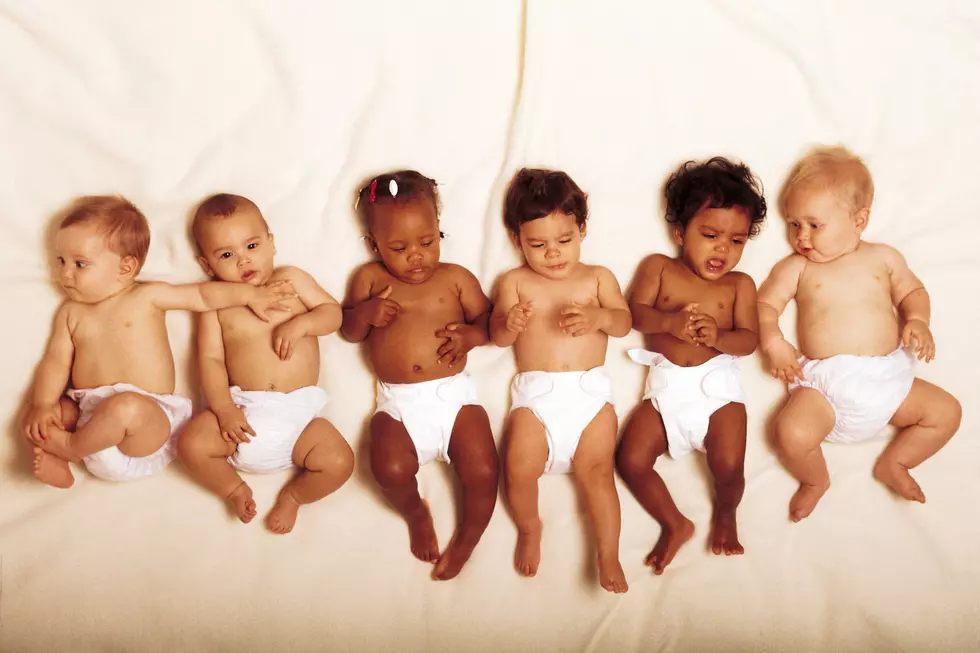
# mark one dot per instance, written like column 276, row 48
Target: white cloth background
column 294, row 104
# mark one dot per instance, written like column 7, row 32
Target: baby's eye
column 565, row 241
column 795, row 225
column 738, row 241
column 80, row 264
column 427, row 244
column 814, row 226
column 253, row 245
column 398, row 249
column 61, row 261
column 537, row 245
column 225, row 255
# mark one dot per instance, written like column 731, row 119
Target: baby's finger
column 281, row 306
column 288, row 345
column 458, row 358
column 248, row 428
column 226, row 436
column 242, row 436
column 446, row 348
column 445, row 358
column 906, row 337
column 261, row 314
column 571, row 310
column 392, row 305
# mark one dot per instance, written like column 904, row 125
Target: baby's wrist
column 771, row 342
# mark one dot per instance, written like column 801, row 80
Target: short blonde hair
column 123, row 226
column 830, row 168
column 222, row 205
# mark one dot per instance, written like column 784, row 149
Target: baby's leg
column 474, row 456
column 593, row 471
column 394, row 463
column 204, row 453
column 525, row 457
column 48, row 468
column 725, row 449
column 928, row 417
column 804, row 422
column 645, row 440
column 325, row 462
column 133, row 422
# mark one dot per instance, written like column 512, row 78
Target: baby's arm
column 214, row 380
column 324, row 316
column 616, row 319
column 744, row 337
column 52, row 378
column 365, row 309
column 461, row 338
column 775, row 293
column 643, row 298
column 910, row 297
column 510, row 315
column 215, row 295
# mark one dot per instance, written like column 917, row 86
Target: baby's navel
column 272, row 386
column 416, row 368
column 721, row 305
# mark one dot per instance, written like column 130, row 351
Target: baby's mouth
column 248, row 275
column 715, row 264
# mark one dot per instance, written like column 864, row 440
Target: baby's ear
column 208, row 270
column 128, row 266
column 371, row 241
column 861, row 219
column 583, row 229
column 678, row 234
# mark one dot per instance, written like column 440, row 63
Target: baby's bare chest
column 715, row 299
column 239, row 323
column 846, row 282
column 119, row 327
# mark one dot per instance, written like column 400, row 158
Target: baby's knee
column 394, row 471
column 127, row 407
column 950, row 414
column 192, row 443
column 587, row 470
column 335, row 459
column 631, row 465
column 483, row 472
column 791, row 435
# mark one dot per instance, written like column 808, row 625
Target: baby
column 558, row 314
column 419, row 318
column 698, row 317
column 855, row 374
column 110, row 343
column 266, row 421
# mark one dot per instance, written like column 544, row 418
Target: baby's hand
column 681, row 324
column 458, row 343
column 271, row 297
column 579, row 320
column 233, row 425
column 285, row 336
column 705, row 329
column 39, row 419
column 784, row 361
column 518, row 315
column 925, row 346
column 379, row 311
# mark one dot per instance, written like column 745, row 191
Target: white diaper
column 686, row 397
column 278, row 420
column 112, row 464
column 565, row 402
column 864, row 391
column 428, row 410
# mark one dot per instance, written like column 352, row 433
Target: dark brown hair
column 535, row 193
column 218, row 206
column 410, row 186
column 714, row 184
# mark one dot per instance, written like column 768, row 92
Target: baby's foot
column 422, row 535
column 611, row 575
column 52, row 470
column 805, row 500
column 527, row 555
column 242, row 502
column 451, row 562
column 282, row 517
column 56, row 444
column 672, row 538
column 724, row 535
column 898, row 479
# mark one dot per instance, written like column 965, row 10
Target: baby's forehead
column 729, row 218
column 88, row 236
column 229, row 226
column 410, row 216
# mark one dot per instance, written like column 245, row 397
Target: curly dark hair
column 535, row 193
column 412, row 186
column 716, row 184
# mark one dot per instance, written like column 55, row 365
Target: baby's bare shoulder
column 289, row 273
column 738, row 280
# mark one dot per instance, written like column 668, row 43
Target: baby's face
column 552, row 245
column 713, row 242
column 88, row 270
column 822, row 226
column 238, row 248
column 406, row 236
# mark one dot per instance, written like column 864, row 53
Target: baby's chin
column 557, row 272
